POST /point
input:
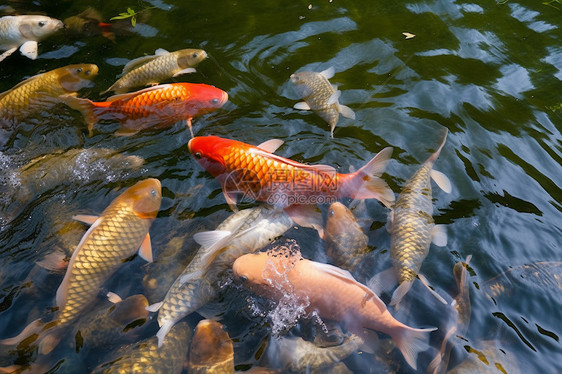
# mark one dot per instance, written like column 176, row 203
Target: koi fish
column 412, row 227
column 320, row 96
column 151, row 70
column 329, row 291
column 147, row 357
column 346, row 243
column 113, row 237
column 153, row 107
column 243, row 232
column 211, row 350
column 24, row 32
column 262, row 176
column 44, row 90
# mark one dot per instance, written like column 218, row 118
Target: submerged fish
column 43, row 91
column 151, row 70
column 488, row 358
column 211, row 349
column 541, row 275
column 24, row 32
column 262, row 176
column 154, row 107
column 412, row 226
column 330, row 292
column 458, row 324
column 346, row 242
column 320, row 96
column 299, row 355
column 243, row 232
column 148, row 358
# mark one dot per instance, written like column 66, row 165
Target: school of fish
column 243, row 258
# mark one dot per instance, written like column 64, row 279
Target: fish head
column 144, row 197
column 190, row 57
column 132, row 309
column 209, row 152
column 34, row 27
column 204, row 98
column 75, row 77
column 249, row 268
column 304, row 81
column 211, row 344
column 339, row 218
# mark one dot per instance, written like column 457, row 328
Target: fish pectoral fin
column 383, row 282
column 8, row 53
column 164, row 330
column 271, row 145
column 207, row 239
column 230, row 198
column 400, row 292
column 370, row 341
column 161, row 52
column 302, row 106
column 307, row 216
column 425, row 282
column 441, row 180
column 90, row 220
column 113, row 297
column 145, row 250
column 346, row 111
column 328, row 73
column 56, row 261
column 29, row 49
column 439, row 235
column 185, row 71
column 154, row 307
column 333, row 99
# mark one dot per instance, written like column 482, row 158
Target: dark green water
column 491, row 73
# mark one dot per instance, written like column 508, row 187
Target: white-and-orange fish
column 329, row 291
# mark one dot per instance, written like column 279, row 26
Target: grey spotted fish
column 345, row 241
column 243, row 232
column 211, row 350
column 412, row 227
column 152, row 70
column 320, row 96
column 24, row 32
column 148, row 357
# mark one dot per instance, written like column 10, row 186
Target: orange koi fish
column 153, row 107
column 258, row 174
column 331, row 292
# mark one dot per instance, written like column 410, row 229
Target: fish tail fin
column 33, row 328
column 366, row 183
column 411, row 342
column 86, row 107
column 434, row 156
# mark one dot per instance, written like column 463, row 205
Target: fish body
column 148, row 358
column 154, row 107
column 262, row 176
column 113, row 237
column 24, row 32
column 346, row 243
column 45, row 90
column 246, row 231
column 320, row 96
column 330, row 292
column 151, row 70
column 211, row 350
column 412, row 225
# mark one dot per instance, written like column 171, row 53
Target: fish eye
column 88, row 72
column 331, row 213
column 194, row 55
column 42, row 23
column 243, row 278
column 215, row 101
column 153, row 193
column 197, row 155
column 79, row 70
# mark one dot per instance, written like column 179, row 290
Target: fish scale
column 187, row 296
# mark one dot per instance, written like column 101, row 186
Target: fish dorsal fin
column 145, row 250
column 316, row 167
column 29, row 49
column 63, row 288
column 271, row 145
column 128, row 95
column 139, row 61
column 161, row 52
column 328, row 73
column 347, row 277
column 439, row 235
column 441, row 180
column 207, row 239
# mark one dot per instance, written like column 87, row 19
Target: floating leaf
column 408, row 35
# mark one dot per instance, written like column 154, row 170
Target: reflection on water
column 489, row 72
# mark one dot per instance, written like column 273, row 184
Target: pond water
column 491, row 73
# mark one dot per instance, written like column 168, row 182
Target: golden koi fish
column 44, row 90
column 320, row 96
column 152, row 70
column 24, row 32
column 412, row 226
column 211, row 350
column 330, row 292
